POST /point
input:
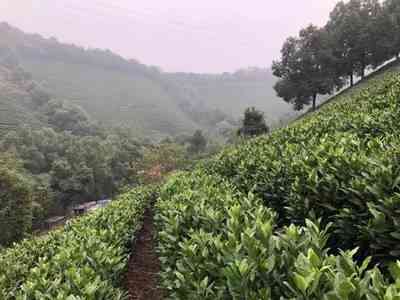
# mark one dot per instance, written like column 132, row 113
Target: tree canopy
column 253, row 123
column 360, row 34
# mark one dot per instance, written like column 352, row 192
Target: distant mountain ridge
column 117, row 91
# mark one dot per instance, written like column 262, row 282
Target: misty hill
column 117, row 91
column 233, row 92
column 17, row 93
column 23, row 101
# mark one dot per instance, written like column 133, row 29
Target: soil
column 144, row 266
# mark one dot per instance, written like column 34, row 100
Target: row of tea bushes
column 217, row 243
column 341, row 164
column 84, row 260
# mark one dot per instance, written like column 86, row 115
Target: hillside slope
column 17, row 93
column 310, row 211
column 119, row 91
column 233, row 93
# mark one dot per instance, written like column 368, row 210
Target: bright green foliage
column 85, row 260
column 216, row 243
column 341, row 164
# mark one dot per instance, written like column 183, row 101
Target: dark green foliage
column 64, row 116
column 392, row 25
column 305, row 68
column 15, row 201
column 81, row 168
column 197, row 143
column 360, row 34
column 67, row 158
column 253, row 123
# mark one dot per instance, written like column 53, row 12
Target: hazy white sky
column 177, row 35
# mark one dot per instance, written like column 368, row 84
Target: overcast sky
column 177, row 35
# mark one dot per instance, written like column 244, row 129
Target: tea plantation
column 311, row 211
column 84, row 260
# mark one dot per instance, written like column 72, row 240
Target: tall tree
column 391, row 14
column 373, row 34
column 305, row 68
column 339, row 33
column 15, row 201
column 356, row 30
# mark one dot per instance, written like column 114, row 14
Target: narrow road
column 143, row 268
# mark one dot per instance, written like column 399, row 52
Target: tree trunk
column 351, row 80
column 363, row 67
column 314, row 106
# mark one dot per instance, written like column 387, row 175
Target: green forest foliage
column 63, row 169
column 360, row 35
column 16, row 200
column 53, row 154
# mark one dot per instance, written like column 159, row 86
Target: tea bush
column 217, row 243
column 341, row 164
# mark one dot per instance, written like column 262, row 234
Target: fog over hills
column 114, row 90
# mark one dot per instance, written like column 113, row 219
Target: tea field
column 309, row 212
column 84, row 260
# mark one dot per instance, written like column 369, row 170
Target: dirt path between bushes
column 144, row 266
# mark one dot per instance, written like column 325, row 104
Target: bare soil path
column 143, row 268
